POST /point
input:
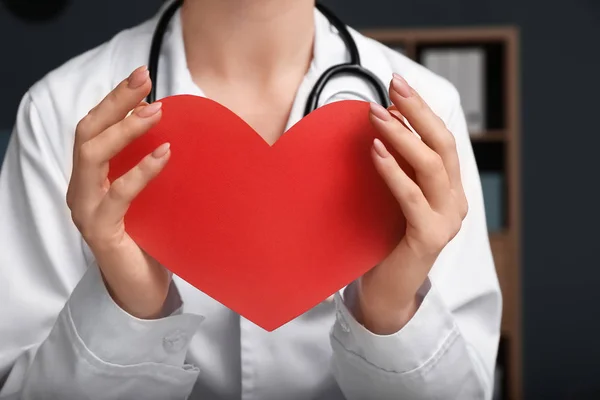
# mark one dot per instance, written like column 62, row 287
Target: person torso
column 236, row 358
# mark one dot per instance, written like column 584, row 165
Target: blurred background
column 527, row 71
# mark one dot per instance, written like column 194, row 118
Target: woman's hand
column 434, row 204
column 138, row 283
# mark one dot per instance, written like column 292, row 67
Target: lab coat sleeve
column 448, row 349
column 62, row 336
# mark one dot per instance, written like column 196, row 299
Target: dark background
column 560, row 141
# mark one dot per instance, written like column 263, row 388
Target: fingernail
column 380, row 148
column 138, row 77
column 380, row 112
column 161, row 150
column 149, row 110
column 400, row 86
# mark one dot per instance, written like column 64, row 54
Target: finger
column 88, row 179
column 428, row 125
column 398, row 115
column 139, row 106
column 427, row 165
column 92, row 156
column 88, row 158
column 410, row 197
column 110, row 142
column 116, row 105
column 124, row 189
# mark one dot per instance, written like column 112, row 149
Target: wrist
column 388, row 295
column 384, row 308
column 381, row 318
column 136, row 282
column 147, row 307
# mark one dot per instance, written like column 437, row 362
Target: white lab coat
column 62, row 337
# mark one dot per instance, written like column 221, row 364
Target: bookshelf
column 496, row 149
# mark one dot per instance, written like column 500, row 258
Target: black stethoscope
column 350, row 68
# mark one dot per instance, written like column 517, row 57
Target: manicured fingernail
column 138, row 77
column 380, row 112
column 149, row 110
column 161, row 150
column 400, row 86
column 380, row 148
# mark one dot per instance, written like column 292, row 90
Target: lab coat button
column 342, row 321
column 175, row 341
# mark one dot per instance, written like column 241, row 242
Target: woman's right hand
column 137, row 282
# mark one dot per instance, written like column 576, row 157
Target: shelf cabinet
column 496, row 148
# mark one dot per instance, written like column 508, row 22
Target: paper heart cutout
column 268, row 231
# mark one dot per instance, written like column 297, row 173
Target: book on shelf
column 465, row 69
column 492, row 183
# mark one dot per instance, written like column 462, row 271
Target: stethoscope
column 350, row 68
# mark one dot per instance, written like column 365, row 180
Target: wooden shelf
column 490, row 136
column 500, row 242
column 443, row 35
column 505, row 244
column 499, row 237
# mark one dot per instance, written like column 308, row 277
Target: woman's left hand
column 433, row 203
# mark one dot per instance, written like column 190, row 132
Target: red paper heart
column 268, row 231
